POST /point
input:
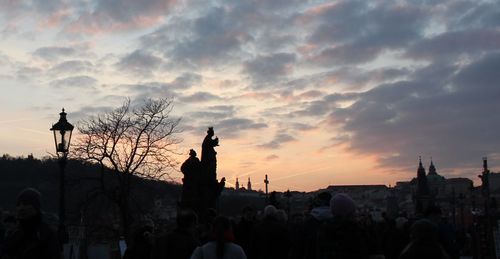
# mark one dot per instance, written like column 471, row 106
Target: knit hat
column 342, row 205
column 30, row 196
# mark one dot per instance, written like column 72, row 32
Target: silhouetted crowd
column 331, row 229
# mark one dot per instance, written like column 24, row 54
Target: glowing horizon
column 310, row 93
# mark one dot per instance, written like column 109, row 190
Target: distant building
column 423, row 197
column 435, row 181
column 237, row 185
column 249, row 185
column 494, row 179
column 366, row 196
column 459, row 185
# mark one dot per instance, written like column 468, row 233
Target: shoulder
column 235, row 251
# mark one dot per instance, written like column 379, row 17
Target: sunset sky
column 312, row 93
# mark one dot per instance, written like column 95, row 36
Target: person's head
column 322, row 199
column 270, row 212
column 210, row 131
column 9, row 221
column 341, row 205
column 424, row 231
column 28, row 204
column 248, row 212
column 281, row 216
column 186, row 219
column 223, row 232
column 192, row 153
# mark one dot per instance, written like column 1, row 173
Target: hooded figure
column 32, row 238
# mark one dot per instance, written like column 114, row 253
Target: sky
column 312, row 93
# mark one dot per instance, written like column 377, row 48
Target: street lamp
column 62, row 136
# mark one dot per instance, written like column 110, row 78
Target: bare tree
column 130, row 141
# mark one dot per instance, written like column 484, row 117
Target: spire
column 422, row 192
column 422, row 187
column 432, row 169
column 237, row 185
column 421, row 169
column 249, row 185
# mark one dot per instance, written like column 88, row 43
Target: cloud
column 271, row 157
column 269, row 68
column 453, row 44
column 354, row 32
column 399, row 121
column 54, row 53
column 213, row 113
column 186, row 81
column 72, row 67
column 278, row 141
column 86, row 82
column 200, row 97
column 101, row 16
column 139, row 63
column 231, row 128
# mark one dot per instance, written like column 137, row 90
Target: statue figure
column 200, row 188
column 208, row 154
column 209, row 186
column 190, row 191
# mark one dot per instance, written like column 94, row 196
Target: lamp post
column 62, row 136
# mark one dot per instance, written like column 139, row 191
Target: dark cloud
column 200, row 97
column 328, row 103
column 54, row 53
column 213, row 113
column 399, row 121
column 86, row 82
column 270, row 68
column 86, row 112
column 356, row 32
column 186, row 81
column 116, row 15
column 139, row 63
column 278, row 141
column 452, row 44
column 214, row 37
column 72, row 67
column 231, row 128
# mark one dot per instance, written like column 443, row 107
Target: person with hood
column 31, row 238
column 342, row 236
column 270, row 239
column 181, row 242
column 424, row 242
column 221, row 246
column 304, row 237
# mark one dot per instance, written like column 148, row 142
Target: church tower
column 249, row 185
column 237, row 185
column 422, row 196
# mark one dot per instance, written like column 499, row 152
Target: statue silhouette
column 190, row 198
column 200, row 188
column 210, row 187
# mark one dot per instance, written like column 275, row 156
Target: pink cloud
column 126, row 15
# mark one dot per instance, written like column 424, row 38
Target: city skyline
column 312, row 93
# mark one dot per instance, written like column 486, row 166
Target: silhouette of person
column 270, row 237
column 424, row 242
column 142, row 244
column 181, row 242
column 31, row 238
column 222, row 246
